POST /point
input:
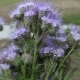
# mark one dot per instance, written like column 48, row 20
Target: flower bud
column 26, row 58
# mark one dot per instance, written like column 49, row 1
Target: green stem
column 33, row 66
column 23, row 67
column 46, row 78
column 34, row 58
column 64, row 61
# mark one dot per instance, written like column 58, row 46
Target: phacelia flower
column 29, row 13
column 46, row 20
column 4, row 66
column 8, row 53
column 18, row 33
column 74, row 32
column 22, row 8
column 46, row 50
column 54, row 46
column 15, row 13
column 11, row 56
column 52, row 18
column 43, row 9
column 58, row 52
column 22, row 5
column 61, row 37
column 29, row 5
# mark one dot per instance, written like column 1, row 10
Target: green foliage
column 8, row 2
column 71, row 18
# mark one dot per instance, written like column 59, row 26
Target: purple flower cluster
column 9, row 53
column 29, row 13
column 60, row 35
column 15, row 13
column 18, row 33
column 44, row 11
column 74, row 32
column 21, row 9
column 53, row 46
column 4, row 67
column 45, row 14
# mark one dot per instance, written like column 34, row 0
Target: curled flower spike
column 46, row 20
column 16, row 34
column 4, row 67
column 53, row 45
column 61, row 36
column 29, row 13
column 22, row 5
column 15, row 14
column 44, row 9
column 74, row 32
column 8, row 53
column 58, row 52
column 29, row 5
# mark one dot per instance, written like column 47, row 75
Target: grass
column 71, row 18
column 7, row 2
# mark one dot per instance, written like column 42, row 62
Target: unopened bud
column 26, row 58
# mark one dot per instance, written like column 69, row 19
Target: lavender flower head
column 52, row 46
column 58, row 52
column 15, row 13
column 52, row 17
column 29, row 5
column 29, row 13
column 18, row 33
column 43, row 11
column 46, row 20
column 8, row 53
column 44, row 8
column 21, row 8
column 4, row 67
column 22, row 5
column 60, row 35
column 74, row 32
